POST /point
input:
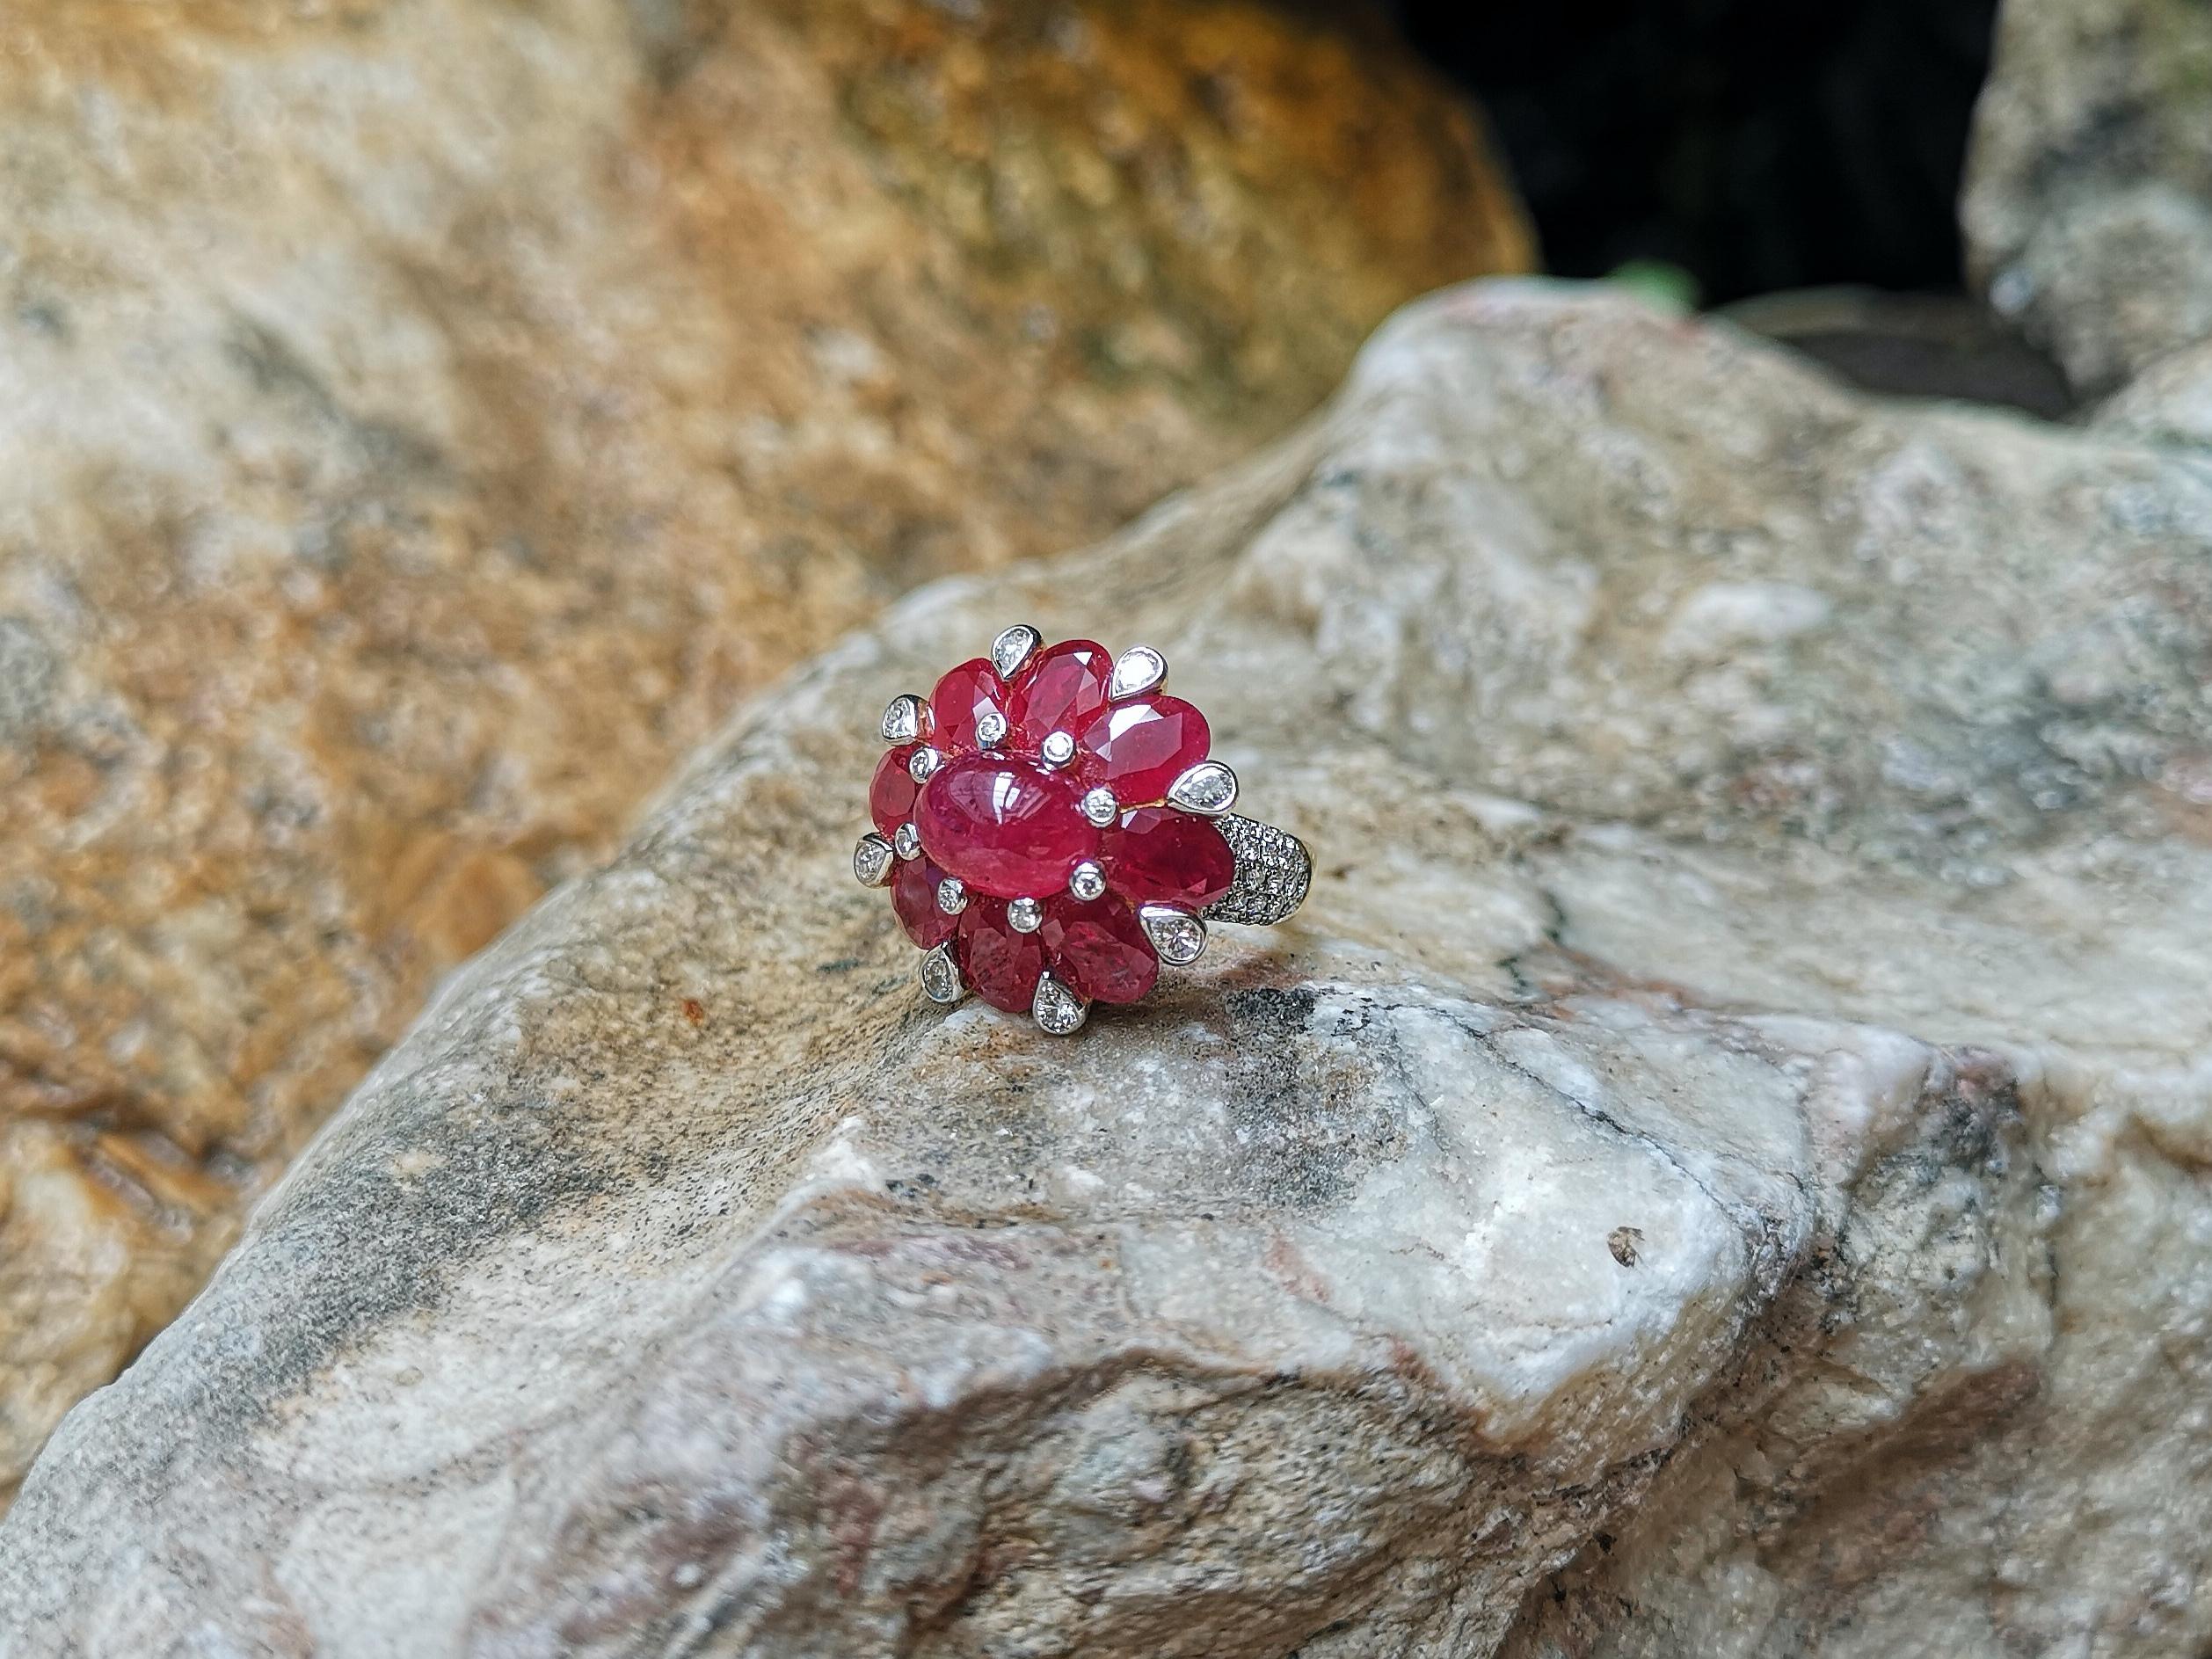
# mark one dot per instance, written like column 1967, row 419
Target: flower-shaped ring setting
column 1053, row 831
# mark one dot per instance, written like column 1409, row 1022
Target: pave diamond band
column 1274, row 870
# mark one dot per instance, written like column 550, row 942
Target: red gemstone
column 891, row 794
column 914, row 895
column 1099, row 948
column 1005, row 826
column 999, row 965
column 1137, row 749
column 1062, row 690
column 971, row 690
column 1157, row 856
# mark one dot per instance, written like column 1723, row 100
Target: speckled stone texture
column 2088, row 210
column 1722, row 1165
column 423, row 421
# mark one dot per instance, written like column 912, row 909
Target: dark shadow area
column 1912, row 345
column 1756, row 146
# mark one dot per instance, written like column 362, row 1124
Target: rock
column 2088, row 210
column 1717, row 1169
column 424, row 420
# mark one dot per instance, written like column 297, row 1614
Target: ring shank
column 1274, row 871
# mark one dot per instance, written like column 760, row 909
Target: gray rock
column 2088, row 210
column 1717, row 1169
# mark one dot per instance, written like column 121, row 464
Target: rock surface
column 1721, row 1166
column 423, row 420
column 2088, row 212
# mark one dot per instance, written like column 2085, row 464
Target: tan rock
column 423, row 420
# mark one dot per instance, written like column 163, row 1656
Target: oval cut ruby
column 890, row 793
column 1099, row 948
column 998, row 964
column 1157, row 856
column 1137, row 749
column 1005, row 826
column 914, row 895
column 965, row 693
column 1062, row 690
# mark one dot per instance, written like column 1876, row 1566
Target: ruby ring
column 1053, row 830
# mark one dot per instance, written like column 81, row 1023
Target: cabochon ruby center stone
column 1005, row 826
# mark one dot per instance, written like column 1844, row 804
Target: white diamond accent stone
column 941, row 976
column 1058, row 1009
column 1209, row 786
column 1139, row 668
column 872, row 860
column 908, row 842
column 1011, row 649
column 1058, row 748
column 989, row 728
column 1086, row 881
column 1178, row 936
column 1025, row 915
column 1101, row 807
column 922, row 764
column 902, row 720
column 952, row 896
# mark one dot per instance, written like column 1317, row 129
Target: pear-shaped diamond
column 872, row 860
column 1209, row 786
column 1013, row 648
column 941, row 975
column 902, row 720
column 1178, row 936
column 1139, row 668
column 1057, row 1008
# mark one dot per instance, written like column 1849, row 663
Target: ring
column 1053, row 830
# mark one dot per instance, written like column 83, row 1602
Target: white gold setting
column 1178, row 936
column 903, row 718
column 1057, row 1010
column 940, row 976
column 1013, row 648
column 1138, row 669
column 872, row 860
column 1208, row 787
column 1268, row 871
column 1273, row 871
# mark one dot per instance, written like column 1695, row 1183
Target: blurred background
column 1752, row 148
column 1800, row 164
